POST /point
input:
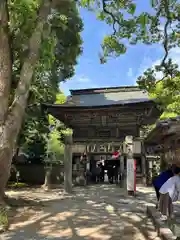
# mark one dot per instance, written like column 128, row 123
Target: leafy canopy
column 58, row 55
column 158, row 22
column 165, row 90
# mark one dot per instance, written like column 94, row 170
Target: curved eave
column 60, row 110
column 154, row 136
column 67, row 107
column 160, row 131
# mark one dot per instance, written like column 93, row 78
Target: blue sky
column 120, row 71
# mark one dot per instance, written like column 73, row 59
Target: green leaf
column 101, row 16
column 86, row 3
column 132, row 8
column 143, row 20
column 154, row 3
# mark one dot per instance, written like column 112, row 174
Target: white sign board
column 88, row 166
column 129, row 139
column 150, row 165
column 136, row 147
column 78, row 148
column 130, row 175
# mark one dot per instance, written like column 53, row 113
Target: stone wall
column 34, row 174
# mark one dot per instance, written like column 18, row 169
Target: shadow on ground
column 99, row 212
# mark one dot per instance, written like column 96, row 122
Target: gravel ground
column 99, row 212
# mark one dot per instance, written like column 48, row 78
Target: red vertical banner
column 134, row 176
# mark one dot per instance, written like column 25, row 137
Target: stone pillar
column 149, row 171
column 143, row 165
column 87, row 169
column 68, row 163
column 80, row 180
column 121, row 170
column 130, row 165
column 121, row 164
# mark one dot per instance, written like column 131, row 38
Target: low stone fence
column 162, row 227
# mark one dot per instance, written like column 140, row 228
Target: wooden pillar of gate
column 68, row 163
column 121, row 170
column 143, row 164
column 130, row 180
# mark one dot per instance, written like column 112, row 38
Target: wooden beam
column 97, row 116
column 97, row 140
column 103, row 133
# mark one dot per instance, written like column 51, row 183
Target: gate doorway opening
column 104, row 171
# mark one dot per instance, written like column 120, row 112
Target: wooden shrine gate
column 104, row 116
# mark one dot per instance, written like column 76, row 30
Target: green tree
column 34, row 132
column 159, row 24
column 25, row 32
column 165, row 90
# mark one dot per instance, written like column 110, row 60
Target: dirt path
column 95, row 213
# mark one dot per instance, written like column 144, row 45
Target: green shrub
column 3, row 218
column 17, row 185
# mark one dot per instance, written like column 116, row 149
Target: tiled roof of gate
column 156, row 132
column 168, row 121
column 107, row 96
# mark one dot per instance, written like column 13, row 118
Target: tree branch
column 115, row 20
column 168, row 22
column 165, row 42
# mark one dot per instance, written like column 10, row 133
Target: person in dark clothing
column 101, row 172
column 93, row 174
column 160, row 180
column 98, row 171
column 116, row 174
column 111, row 174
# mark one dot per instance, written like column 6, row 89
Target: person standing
column 160, row 180
column 110, row 174
column 169, row 193
column 102, row 172
column 116, row 174
column 98, row 171
column 94, row 173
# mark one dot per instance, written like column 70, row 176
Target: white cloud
column 174, row 55
column 145, row 64
column 130, row 72
column 78, row 82
column 149, row 63
column 82, row 79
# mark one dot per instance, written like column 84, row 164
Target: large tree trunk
column 11, row 117
column 5, row 166
column 5, row 81
column 5, row 62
